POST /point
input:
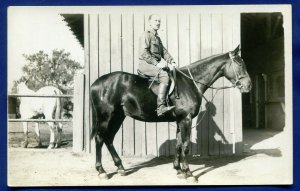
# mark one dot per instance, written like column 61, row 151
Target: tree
column 42, row 70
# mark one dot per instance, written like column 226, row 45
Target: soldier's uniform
column 150, row 54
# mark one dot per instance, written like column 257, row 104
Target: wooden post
column 94, row 62
column 87, row 68
column 78, row 122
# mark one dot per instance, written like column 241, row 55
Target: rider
column 153, row 58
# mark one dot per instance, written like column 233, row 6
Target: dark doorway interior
column 262, row 40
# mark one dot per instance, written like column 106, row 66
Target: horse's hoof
column 103, row 176
column 191, row 179
column 57, row 146
column 181, row 176
column 121, row 172
column 51, row 146
column 25, row 144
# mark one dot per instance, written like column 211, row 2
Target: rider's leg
column 162, row 93
column 163, row 78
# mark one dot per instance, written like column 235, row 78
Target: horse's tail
column 95, row 119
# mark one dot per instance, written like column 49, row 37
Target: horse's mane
column 203, row 64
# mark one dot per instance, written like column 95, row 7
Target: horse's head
column 235, row 71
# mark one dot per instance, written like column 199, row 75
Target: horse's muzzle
column 245, row 88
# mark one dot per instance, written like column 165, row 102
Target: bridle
column 236, row 83
column 238, row 77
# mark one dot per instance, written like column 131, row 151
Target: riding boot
column 161, row 100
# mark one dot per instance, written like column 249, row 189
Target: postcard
column 150, row 95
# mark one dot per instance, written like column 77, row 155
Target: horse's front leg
column 37, row 133
column 184, row 126
column 176, row 163
column 25, row 130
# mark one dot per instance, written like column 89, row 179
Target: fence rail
column 34, row 95
column 40, row 120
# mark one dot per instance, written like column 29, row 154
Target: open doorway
column 262, row 40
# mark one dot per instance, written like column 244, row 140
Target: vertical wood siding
column 111, row 44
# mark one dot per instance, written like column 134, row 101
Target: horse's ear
column 237, row 50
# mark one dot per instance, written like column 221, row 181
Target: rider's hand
column 172, row 65
column 162, row 64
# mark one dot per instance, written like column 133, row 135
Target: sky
column 32, row 31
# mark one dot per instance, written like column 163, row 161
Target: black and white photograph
column 149, row 95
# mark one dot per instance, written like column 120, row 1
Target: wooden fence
column 40, row 96
column 111, row 44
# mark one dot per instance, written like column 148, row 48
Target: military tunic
column 151, row 51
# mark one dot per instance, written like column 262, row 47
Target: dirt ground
column 266, row 160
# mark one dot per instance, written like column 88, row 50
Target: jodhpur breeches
column 152, row 70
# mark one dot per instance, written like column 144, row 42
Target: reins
column 238, row 77
column 192, row 78
column 208, row 86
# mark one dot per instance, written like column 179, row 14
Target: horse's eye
column 238, row 83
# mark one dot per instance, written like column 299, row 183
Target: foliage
column 56, row 70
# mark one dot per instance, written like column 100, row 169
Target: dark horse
column 119, row 94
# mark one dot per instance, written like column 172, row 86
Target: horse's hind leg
column 113, row 128
column 99, row 143
column 59, row 134
column 52, row 135
column 108, row 124
column 25, row 130
column 37, row 133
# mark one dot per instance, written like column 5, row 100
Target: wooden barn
column 110, row 36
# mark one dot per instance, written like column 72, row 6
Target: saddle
column 155, row 83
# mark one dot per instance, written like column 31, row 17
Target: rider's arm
column 144, row 53
column 167, row 56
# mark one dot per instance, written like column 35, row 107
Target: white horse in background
column 50, row 108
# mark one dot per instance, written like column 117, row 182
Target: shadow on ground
column 210, row 163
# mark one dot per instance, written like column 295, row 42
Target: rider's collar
column 154, row 32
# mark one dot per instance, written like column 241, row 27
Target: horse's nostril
column 249, row 86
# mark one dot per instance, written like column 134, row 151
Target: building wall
column 111, row 44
